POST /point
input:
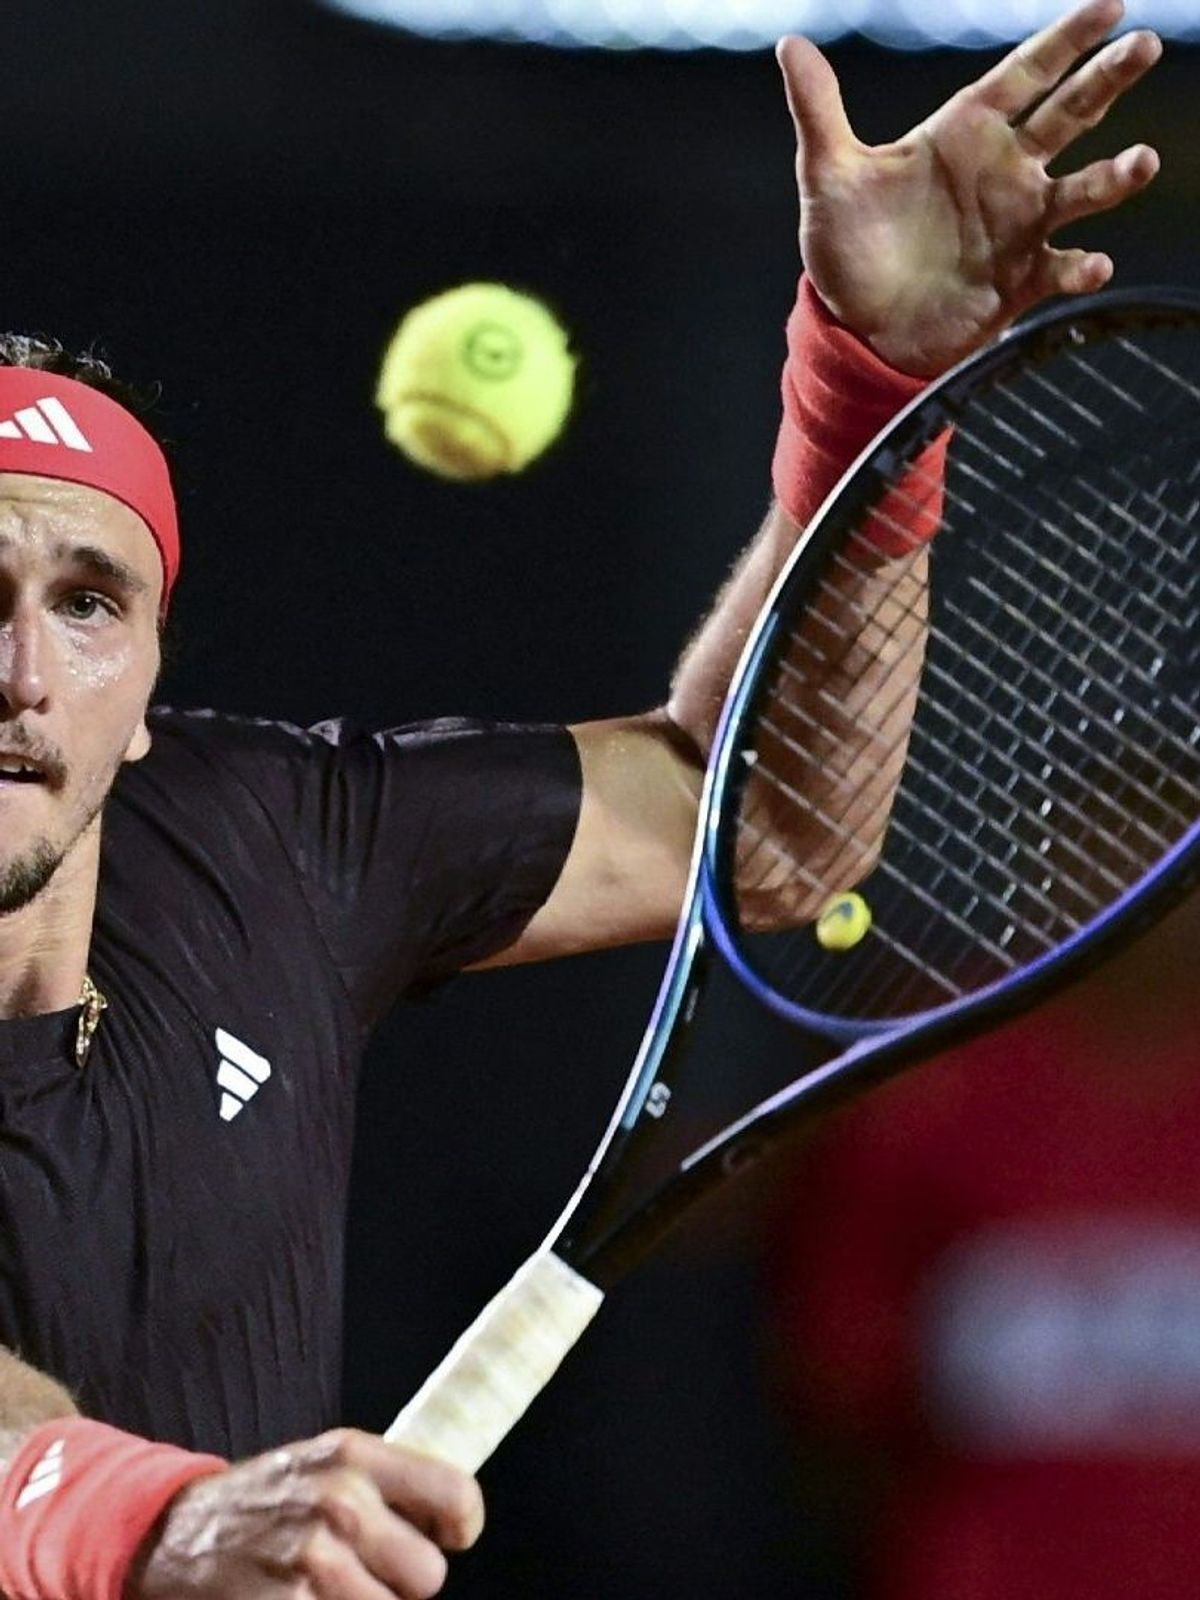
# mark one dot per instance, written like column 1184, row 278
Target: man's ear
column 139, row 743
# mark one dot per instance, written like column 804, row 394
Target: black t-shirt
column 172, row 1215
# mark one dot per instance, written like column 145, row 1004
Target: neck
column 44, row 946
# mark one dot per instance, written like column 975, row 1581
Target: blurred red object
column 988, row 1279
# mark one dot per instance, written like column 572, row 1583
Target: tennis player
column 185, row 991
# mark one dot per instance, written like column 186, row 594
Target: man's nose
column 24, row 662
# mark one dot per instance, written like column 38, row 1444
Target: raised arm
column 917, row 253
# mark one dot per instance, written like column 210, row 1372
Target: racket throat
column 619, row 1167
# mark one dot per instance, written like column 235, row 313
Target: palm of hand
column 929, row 246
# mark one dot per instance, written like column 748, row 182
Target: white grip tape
column 506, row 1357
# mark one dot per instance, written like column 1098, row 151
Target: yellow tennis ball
column 844, row 920
column 476, row 382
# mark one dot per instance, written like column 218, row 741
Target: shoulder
column 222, row 736
column 199, row 752
column 197, row 757
column 226, row 736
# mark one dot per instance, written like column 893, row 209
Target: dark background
column 238, row 198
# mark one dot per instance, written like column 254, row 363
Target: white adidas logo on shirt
column 47, row 422
column 45, row 1477
column 240, row 1076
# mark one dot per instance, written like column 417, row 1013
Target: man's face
column 80, row 580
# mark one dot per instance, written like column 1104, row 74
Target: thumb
column 815, row 101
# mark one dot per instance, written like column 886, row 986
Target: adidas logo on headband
column 52, row 426
column 46, row 422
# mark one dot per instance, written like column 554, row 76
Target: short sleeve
column 420, row 849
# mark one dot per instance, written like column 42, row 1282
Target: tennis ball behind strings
column 476, row 382
column 844, row 921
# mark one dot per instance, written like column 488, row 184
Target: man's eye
column 85, row 605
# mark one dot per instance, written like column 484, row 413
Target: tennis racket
column 993, row 742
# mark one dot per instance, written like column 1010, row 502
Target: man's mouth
column 19, row 769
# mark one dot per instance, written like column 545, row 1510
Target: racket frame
column 500, row 1363
column 599, row 1239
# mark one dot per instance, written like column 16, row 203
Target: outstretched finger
column 1034, row 67
column 823, row 130
column 1085, row 97
column 1072, row 272
column 1101, row 186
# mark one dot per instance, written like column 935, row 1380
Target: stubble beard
column 22, row 881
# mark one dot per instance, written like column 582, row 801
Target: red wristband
column 837, row 395
column 77, row 1502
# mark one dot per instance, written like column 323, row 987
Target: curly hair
column 48, row 355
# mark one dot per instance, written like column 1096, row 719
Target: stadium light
column 743, row 24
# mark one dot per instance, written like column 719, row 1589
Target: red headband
column 59, row 428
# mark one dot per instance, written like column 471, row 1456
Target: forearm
column 837, row 395
column 833, row 742
column 77, row 1498
column 27, row 1399
column 838, row 734
column 706, row 665
column 838, row 731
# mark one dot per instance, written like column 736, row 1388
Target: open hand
column 928, row 247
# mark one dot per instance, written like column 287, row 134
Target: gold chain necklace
column 91, row 1004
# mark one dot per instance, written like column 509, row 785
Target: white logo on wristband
column 45, row 1476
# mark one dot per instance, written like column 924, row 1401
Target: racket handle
column 507, row 1356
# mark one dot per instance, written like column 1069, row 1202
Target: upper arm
column 626, row 872
column 417, row 850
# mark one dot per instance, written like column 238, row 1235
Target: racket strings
column 834, row 823
column 1111, row 544
column 992, row 720
column 1161, row 372
column 1057, row 732
column 838, row 824
column 1054, row 755
column 1125, row 626
column 766, row 842
column 927, row 893
column 1147, row 629
column 816, row 881
column 939, row 869
column 830, row 848
column 841, row 869
column 1129, row 724
column 872, row 733
column 1181, row 523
